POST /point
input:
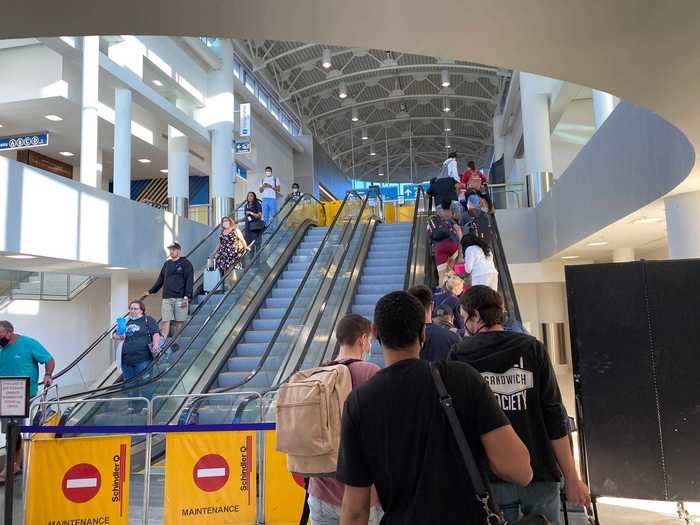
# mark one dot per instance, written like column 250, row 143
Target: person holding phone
column 253, row 224
column 269, row 189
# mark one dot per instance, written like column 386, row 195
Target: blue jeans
column 131, row 371
column 539, row 497
column 269, row 206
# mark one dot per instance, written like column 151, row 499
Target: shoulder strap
column 481, row 489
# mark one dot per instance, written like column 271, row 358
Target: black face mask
column 4, row 341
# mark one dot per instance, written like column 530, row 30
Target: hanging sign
column 245, row 120
column 243, row 147
column 210, row 477
column 14, row 397
column 86, row 480
column 32, row 140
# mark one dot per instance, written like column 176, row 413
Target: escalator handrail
column 106, row 333
column 503, row 271
column 411, row 261
column 290, row 308
column 135, row 382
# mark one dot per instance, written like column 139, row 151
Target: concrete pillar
column 178, row 172
column 603, row 104
column 88, row 123
column 122, row 143
column 221, row 103
column 682, row 219
column 623, row 255
column 537, row 137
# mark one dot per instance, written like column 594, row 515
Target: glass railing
column 178, row 372
column 46, row 286
column 508, row 196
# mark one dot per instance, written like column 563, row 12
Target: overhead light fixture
column 446, row 105
column 343, row 91
column 569, row 257
column 597, row 243
column 158, row 83
column 145, row 161
column 365, row 135
column 447, row 126
column 371, row 150
column 20, row 256
column 445, row 76
column 380, row 174
column 355, row 115
column 647, row 220
column 326, row 59
column 116, row 268
column 53, row 118
column 65, row 153
column 0, row 125
column 164, row 171
column 447, row 143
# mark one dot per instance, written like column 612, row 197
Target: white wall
column 47, row 215
column 270, row 150
column 573, row 131
column 29, row 73
column 66, row 328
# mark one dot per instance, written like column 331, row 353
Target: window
column 263, row 97
column 275, row 110
column 249, row 82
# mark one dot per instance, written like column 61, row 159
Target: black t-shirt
column 443, row 190
column 518, row 369
column 176, row 278
column 139, row 334
column 438, row 341
column 395, row 435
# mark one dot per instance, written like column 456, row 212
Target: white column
column 682, row 219
column 623, row 255
column 221, row 102
column 122, row 142
column 603, row 105
column 119, row 294
column 178, row 172
column 88, row 123
column 537, row 137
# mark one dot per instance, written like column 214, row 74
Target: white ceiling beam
column 392, row 140
column 275, row 58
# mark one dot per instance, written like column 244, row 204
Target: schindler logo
column 511, row 387
column 246, row 463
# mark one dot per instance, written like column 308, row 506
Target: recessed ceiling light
column 0, row 125
column 158, row 83
column 342, row 90
column 355, row 115
column 65, row 153
column 20, row 256
column 164, row 171
column 326, row 59
column 145, row 161
column 371, row 150
column 445, row 78
column 365, row 135
column 116, row 268
column 567, row 257
column 54, row 118
column 647, row 220
column 597, row 243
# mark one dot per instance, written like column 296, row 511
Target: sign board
column 14, row 397
column 245, row 120
column 243, row 147
column 85, row 479
column 210, row 477
column 32, row 140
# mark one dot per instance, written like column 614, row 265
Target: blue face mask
column 135, row 317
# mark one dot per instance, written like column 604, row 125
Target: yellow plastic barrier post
column 284, row 496
column 210, row 478
column 79, row 480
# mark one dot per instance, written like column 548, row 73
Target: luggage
column 309, row 409
column 210, row 280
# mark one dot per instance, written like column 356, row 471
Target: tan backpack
column 309, row 410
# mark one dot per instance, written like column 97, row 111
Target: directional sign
column 210, row 473
column 81, row 483
column 243, row 147
column 31, row 140
column 245, row 120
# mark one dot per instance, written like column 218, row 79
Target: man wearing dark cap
column 176, row 279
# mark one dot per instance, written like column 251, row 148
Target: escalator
column 216, row 323
column 505, row 283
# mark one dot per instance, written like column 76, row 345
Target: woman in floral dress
column 231, row 249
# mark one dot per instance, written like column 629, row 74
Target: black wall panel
column 610, row 345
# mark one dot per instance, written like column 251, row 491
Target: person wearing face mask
column 138, row 344
column 231, row 249
column 294, row 194
column 269, row 189
column 326, row 493
column 438, row 340
column 20, row 356
column 520, row 374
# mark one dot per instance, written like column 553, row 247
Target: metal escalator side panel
column 504, row 278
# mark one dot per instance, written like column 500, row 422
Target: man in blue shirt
column 20, row 357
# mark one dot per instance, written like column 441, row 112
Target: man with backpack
column 445, row 234
column 396, row 436
column 325, row 492
column 518, row 370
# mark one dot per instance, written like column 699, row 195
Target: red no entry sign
column 210, row 473
column 81, row 483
